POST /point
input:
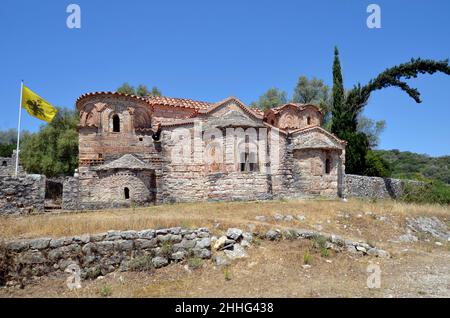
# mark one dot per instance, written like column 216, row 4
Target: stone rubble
column 430, row 225
column 100, row 254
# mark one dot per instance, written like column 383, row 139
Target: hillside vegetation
column 410, row 165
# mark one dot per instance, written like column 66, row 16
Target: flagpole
column 18, row 129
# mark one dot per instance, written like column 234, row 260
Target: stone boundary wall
column 70, row 195
column 102, row 253
column 22, row 195
column 375, row 187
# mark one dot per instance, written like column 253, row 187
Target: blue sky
column 209, row 50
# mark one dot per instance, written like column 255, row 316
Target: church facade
column 135, row 150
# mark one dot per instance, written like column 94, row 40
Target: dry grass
column 222, row 215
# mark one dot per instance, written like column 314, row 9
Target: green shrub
column 227, row 273
column 307, row 257
column 320, row 241
column 431, row 192
column 105, row 291
column 290, row 235
column 376, row 166
column 93, row 273
column 324, row 252
column 195, row 262
column 141, row 263
column 166, row 248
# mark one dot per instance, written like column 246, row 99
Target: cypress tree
column 338, row 96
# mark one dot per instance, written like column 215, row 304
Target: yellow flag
column 36, row 106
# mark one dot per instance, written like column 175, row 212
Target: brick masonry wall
column 22, row 195
column 102, row 253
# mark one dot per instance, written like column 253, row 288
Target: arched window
column 308, row 120
column 126, row 192
column 328, row 165
column 4, row 163
column 116, row 123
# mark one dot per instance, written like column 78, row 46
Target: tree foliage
column 372, row 129
column 338, row 95
column 347, row 111
column 53, row 150
column 141, row 91
column 358, row 96
column 8, row 141
column 270, row 99
column 126, row 89
column 376, row 166
column 313, row 91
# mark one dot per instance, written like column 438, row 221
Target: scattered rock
column 288, row 218
column 383, row 254
column 301, row 218
column 260, row 218
column 372, row 252
column 220, row 260
column 234, row 233
column 278, row 217
column 306, row 266
column 177, row 256
column 203, row 243
column 237, row 252
column 247, row 236
column 438, row 243
column 202, row 252
column 430, row 225
column 40, row 243
column 159, row 261
column 220, row 242
column 273, row 235
column 245, row 243
column 408, row 238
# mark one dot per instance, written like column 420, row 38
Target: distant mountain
column 412, row 165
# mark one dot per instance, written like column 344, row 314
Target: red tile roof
column 77, row 103
column 178, row 102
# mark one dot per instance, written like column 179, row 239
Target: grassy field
column 272, row 268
